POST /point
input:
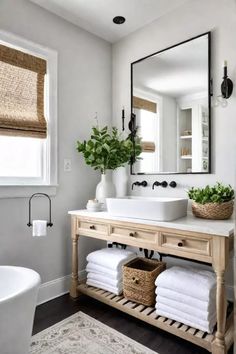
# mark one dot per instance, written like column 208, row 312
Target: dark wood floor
column 164, row 343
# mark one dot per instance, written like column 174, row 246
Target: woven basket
column 215, row 211
column 139, row 277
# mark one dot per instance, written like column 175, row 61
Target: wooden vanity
column 189, row 237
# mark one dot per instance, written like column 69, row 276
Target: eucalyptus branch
column 108, row 150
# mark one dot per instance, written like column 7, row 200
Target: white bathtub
column 18, row 295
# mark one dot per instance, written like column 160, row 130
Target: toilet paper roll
column 39, row 227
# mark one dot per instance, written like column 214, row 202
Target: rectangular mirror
column 170, row 96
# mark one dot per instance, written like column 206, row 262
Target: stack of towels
column 105, row 268
column 187, row 295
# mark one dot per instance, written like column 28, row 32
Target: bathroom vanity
column 190, row 238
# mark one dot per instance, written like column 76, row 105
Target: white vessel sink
column 159, row 209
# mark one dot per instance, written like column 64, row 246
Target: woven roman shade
column 148, row 146
column 141, row 103
column 22, row 94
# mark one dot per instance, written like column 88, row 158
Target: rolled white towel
column 208, row 305
column 95, row 268
column 189, row 281
column 103, row 279
column 111, row 258
column 182, row 317
column 186, row 308
column 98, row 284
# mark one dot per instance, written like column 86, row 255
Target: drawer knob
column 180, row 243
column 132, row 234
column 92, row 227
column 135, row 280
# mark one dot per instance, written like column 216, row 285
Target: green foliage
column 215, row 194
column 108, row 151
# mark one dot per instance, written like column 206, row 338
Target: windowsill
column 25, row 191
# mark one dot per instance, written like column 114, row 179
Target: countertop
column 187, row 223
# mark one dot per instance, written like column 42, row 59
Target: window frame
column 21, row 187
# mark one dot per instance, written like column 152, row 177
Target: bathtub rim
column 35, row 281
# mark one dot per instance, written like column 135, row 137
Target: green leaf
column 212, row 194
column 109, row 150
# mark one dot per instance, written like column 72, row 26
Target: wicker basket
column 215, row 211
column 139, row 277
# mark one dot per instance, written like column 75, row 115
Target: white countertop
column 188, row 223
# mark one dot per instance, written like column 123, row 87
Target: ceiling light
column 119, row 20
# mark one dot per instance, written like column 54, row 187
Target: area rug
column 82, row 334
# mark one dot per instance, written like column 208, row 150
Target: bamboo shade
column 141, row 103
column 22, row 94
column 148, row 146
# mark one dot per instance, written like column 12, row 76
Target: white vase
column 120, row 178
column 105, row 189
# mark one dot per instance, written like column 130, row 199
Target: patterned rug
column 82, row 334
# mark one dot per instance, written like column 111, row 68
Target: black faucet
column 164, row 184
column 172, row 184
column 137, row 183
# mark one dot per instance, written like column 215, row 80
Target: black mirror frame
column 209, row 104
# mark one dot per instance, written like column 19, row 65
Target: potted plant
column 108, row 150
column 212, row 202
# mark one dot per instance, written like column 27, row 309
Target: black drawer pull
column 92, row 227
column 132, row 234
column 180, row 244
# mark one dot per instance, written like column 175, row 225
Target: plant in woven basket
column 212, row 202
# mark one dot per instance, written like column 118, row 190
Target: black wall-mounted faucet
column 164, row 184
column 173, row 184
column 137, row 183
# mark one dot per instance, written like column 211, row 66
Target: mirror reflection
column 170, row 97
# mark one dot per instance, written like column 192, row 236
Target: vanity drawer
column 134, row 236
column 188, row 244
column 92, row 227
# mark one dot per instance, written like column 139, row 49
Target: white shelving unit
column 192, row 137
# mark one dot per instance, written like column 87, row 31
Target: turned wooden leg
column 218, row 346
column 74, row 276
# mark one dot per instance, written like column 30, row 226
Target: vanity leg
column 74, row 276
column 219, row 346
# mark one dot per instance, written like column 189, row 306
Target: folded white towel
column 98, row 284
column 111, row 258
column 95, row 268
column 191, row 310
column 166, row 311
column 208, row 305
column 189, row 281
column 103, row 279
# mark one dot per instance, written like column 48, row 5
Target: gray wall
column 187, row 21
column 84, row 87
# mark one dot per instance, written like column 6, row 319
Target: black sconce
column 123, row 119
column 227, row 84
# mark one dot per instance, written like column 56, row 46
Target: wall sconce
column 226, row 90
column 227, row 84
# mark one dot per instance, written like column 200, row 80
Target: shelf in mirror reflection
column 186, row 137
column 186, row 157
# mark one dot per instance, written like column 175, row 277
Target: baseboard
column 55, row 288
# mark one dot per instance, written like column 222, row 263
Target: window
column 147, row 108
column 28, row 128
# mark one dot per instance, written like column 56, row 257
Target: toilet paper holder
column 49, row 223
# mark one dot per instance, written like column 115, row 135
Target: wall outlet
column 67, row 165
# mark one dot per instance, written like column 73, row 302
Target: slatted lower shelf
column 148, row 314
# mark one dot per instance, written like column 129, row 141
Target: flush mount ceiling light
column 119, row 20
